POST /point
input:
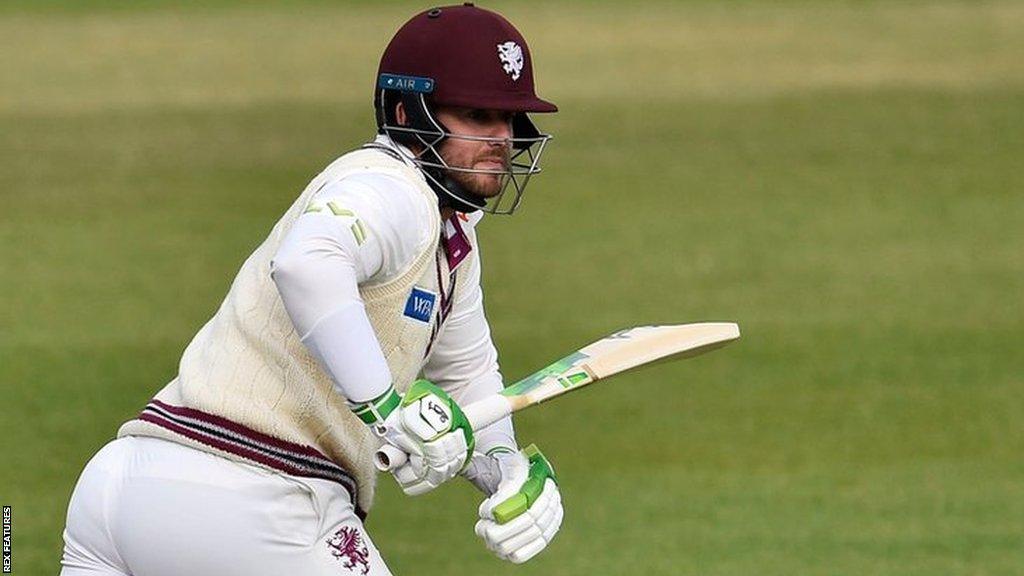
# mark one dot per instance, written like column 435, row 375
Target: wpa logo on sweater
column 420, row 305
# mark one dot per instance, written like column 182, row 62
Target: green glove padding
column 421, row 389
column 540, row 471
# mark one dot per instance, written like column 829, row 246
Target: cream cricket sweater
column 249, row 390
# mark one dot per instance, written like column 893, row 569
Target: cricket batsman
column 357, row 323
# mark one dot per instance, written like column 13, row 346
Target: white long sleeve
column 324, row 258
column 363, row 228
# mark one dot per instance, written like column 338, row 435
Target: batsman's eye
column 481, row 116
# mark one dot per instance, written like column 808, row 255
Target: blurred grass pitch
column 845, row 178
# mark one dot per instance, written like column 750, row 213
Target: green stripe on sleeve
column 359, row 232
column 378, row 409
column 338, row 210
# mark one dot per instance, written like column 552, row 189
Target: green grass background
column 843, row 178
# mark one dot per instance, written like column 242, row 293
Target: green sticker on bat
column 554, row 370
column 577, row 377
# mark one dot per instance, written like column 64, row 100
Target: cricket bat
column 615, row 354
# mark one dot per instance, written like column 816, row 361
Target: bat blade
column 622, row 351
column 617, row 353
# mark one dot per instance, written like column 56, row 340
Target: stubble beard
column 483, row 185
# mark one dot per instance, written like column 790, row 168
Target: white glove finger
column 481, row 531
column 527, row 552
column 550, row 493
column 547, row 515
column 403, row 442
column 500, row 532
column 482, row 528
column 436, row 477
column 552, row 528
column 446, row 447
column 520, row 540
column 540, row 527
column 548, row 501
column 500, row 556
column 405, row 475
column 444, row 458
column 413, row 477
column 452, row 470
column 543, row 511
column 418, row 488
column 411, row 471
column 493, row 547
column 484, row 511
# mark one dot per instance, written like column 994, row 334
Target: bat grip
column 483, row 413
column 388, row 458
column 480, row 414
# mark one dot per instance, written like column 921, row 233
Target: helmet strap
column 450, row 194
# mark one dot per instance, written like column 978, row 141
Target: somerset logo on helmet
column 511, row 56
column 445, row 57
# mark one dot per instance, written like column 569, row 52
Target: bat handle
column 389, row 457
column 480, row 414
column 483, row 413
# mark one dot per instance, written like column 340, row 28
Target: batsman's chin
column 486, row 185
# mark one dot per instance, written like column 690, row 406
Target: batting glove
column 429, row 426
column 522, row 517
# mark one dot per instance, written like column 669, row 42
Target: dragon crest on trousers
column 347, row 545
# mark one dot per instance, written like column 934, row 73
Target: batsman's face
column 489, row 155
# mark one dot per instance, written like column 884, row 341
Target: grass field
column 843, row 178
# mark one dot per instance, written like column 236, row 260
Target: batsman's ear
column 401, row 118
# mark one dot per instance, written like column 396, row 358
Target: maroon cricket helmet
column 464, row 56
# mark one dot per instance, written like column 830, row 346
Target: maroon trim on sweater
column 239, row 429
column 447, row 298
column 233, row 438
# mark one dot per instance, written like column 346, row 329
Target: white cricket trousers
column 149, row 507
